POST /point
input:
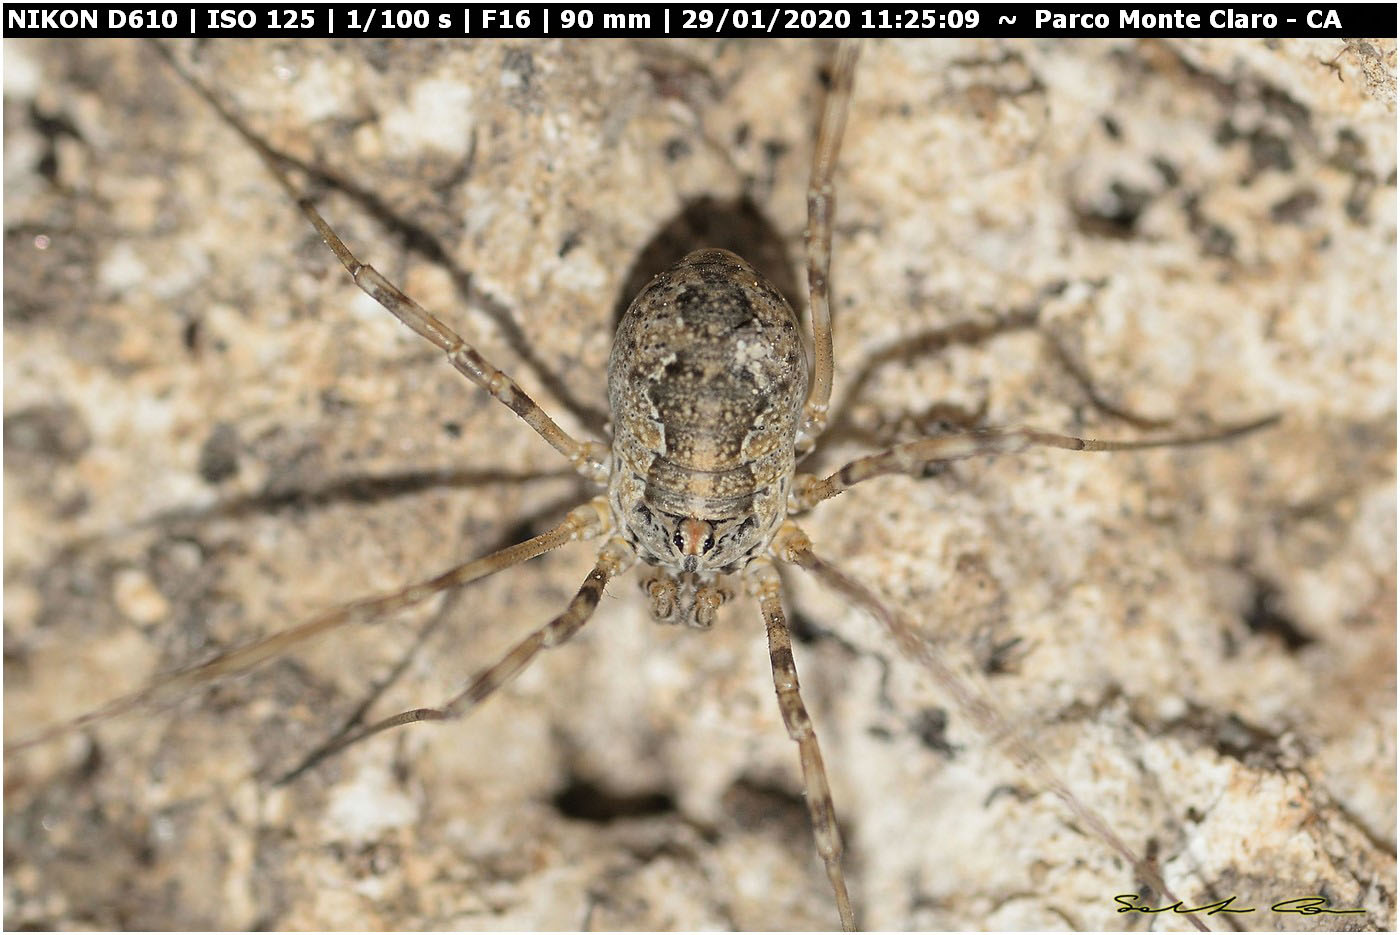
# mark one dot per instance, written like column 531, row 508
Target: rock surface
column 210, row 433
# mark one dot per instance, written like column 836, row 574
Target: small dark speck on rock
column 675, row 149
column 1167, row 170
column 218, row 459
column 49, row 432
column 191, row 335
column 1295, row 207
column 523, row 64
column 1265, row 616
column 931, row 727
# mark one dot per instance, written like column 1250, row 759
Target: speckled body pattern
column 705, row 383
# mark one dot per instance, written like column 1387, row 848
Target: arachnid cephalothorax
column 700, row 480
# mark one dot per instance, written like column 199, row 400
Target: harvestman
column 712, row 407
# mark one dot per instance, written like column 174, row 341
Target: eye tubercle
column 693, row 533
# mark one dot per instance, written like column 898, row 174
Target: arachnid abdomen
column 705, row 383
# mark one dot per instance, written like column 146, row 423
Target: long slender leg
column 586, row 456
column 765, row 585
column 821, row 207
column 614, row 558
column 792, row 545
column 912, row 457
column 585, row 522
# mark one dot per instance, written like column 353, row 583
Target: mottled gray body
column 706, row 384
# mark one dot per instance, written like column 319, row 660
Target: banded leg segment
column 587, row 457
column 765, row 585
column 913, row 457
column 792, row 545
column 614, row 558
column 821, row 208
column 585, row 522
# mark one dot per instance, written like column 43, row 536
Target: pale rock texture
column 210, row 433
